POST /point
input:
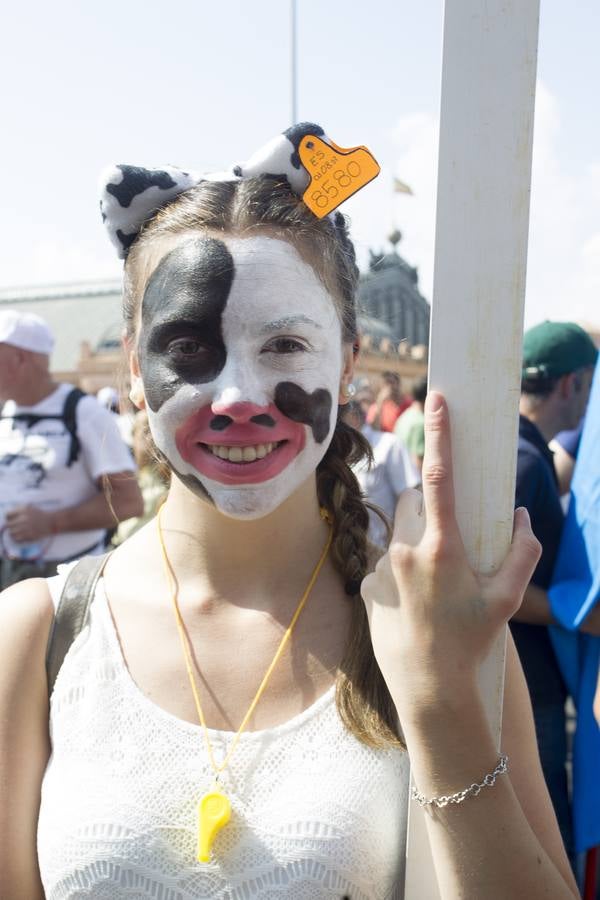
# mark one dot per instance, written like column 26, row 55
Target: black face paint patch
column 195, row 486
column 309, row 409
column 136, row 180
column 181, row 338
column 264, row 419
column 295, row 135
column 220, row 423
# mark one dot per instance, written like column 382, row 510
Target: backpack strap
column 68, row 416
column 72, row 611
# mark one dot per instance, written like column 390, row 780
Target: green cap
column 552, row 349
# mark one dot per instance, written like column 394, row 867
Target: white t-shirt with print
column 392, row 471
column 33, row 465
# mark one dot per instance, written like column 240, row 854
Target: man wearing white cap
column 65, row 474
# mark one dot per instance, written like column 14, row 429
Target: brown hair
column 266, row 203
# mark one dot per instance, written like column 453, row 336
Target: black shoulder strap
column 72, row 611
column 68, row 415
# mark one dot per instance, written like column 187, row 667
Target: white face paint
column 243, row 400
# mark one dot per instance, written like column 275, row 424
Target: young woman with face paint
column 240, row 327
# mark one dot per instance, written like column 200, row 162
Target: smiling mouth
column 241, row 454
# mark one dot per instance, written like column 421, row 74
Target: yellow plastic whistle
column 214, row 811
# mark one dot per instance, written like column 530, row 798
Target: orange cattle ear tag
column 335, row 173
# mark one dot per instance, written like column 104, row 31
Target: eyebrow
column 287, row 322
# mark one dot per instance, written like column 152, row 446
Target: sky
column 203, row 85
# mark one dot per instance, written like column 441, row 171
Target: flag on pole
column 574, row 591
column 401, row 188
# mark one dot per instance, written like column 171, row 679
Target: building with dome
column 377, row 331
column 389, row 294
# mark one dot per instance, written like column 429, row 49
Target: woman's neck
column 232, row 556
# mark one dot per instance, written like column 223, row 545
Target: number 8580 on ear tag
column 335, row 173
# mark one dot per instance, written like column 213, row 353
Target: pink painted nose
column 238, row 412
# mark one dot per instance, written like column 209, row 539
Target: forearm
column 591, row 623
column 105, row 509
column 484, row 846
column 535, row 608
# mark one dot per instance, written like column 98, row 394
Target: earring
column 348, row 391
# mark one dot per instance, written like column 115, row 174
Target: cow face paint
column 240, row 352
column 184, row 301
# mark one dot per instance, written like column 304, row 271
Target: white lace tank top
column 315, row 813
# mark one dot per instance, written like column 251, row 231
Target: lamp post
column 294, row 64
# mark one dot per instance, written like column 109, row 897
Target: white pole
column 486, row 128
column 294, row 57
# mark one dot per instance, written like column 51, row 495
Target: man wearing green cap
column 558, row 365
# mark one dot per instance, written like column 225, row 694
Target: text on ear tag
column 335, row 173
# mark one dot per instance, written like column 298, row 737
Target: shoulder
column 103, row 445
column 89, row 408
column 57, row 398
column 26, row 608
column 94, row 419
column 26, row 615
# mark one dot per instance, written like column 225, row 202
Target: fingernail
column 434, row 401
column 524, row 514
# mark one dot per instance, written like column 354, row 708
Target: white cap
column 25, row 330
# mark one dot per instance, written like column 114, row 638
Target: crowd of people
column 256, row 455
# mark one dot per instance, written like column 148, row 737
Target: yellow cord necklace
column 214, row 808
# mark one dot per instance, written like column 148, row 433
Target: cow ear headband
column 319, row 171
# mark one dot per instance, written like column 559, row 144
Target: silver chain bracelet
column 472, row 791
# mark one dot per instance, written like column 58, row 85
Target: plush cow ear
column 280, row 157
column 129, row 195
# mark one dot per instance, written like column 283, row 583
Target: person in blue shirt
column 558, row 364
